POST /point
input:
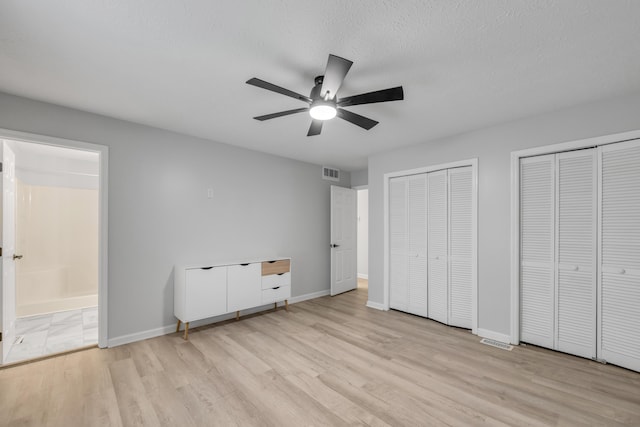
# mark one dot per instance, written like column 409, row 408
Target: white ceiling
column 181, row 65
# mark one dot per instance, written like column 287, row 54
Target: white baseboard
column 170, row 329
column 376, row 305
column 139, row 336
column 312, row 295
column 363, row 276
column 485, row 333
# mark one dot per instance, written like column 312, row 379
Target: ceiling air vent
column 330, row 174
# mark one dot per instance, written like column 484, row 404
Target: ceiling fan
column 323, row 102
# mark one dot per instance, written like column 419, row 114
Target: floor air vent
column 498, row 344
column 330, row 173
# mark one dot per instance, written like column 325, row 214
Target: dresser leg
column 186, row 331
column 286, row 304
column 238, row 315
column 178, row 327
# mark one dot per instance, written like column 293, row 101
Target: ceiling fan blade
column 334, row 74
column 270, row 86
column 356, row 119
column 281, row 113
column 315, row 128
column 392, row 94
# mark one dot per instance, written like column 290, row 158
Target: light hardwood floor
column 328, row 361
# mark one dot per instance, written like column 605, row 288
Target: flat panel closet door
column 398, row 244
column 537, row 200
column 460, row 247
column 417, row 237
column 576, row 187
column 619, row 287
column 437, row 225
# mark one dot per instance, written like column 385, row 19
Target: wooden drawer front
column 276, row 294
column 276, row 267
column 274, row 280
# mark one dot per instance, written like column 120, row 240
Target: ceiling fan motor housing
column 315, row 92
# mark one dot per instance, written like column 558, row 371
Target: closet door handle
column 15, row 257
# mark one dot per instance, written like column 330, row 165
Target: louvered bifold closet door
column 437, row 226
column 619, row 287
column 417, row 236
column 576, row 190
column 398, row 244
column 537, row 200
column 460, row 247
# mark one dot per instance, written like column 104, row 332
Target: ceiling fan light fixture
column 322, row 110
column 322, row 102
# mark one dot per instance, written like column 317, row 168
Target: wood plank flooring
column 327, row 362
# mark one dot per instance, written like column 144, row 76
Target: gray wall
column 359, row 178
column 159, row 213
column 492, row 147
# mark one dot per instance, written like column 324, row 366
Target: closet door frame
column 473, row 163
column 515, row 207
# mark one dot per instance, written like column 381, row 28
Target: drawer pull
column 277, row 287
column 280, row 274
column 271, row 262
column 206, row 268
column 244, row 265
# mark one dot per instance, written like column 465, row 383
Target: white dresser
column 208, row 290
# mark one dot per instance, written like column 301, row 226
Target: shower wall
column 57, row 234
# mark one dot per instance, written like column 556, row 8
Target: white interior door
column 343, row 239
column 575, row 299
column 619, row 281
column 8, row 285
column 461, row 247
column 437, row 246
column 537, row 251
column 417, row 239
column 398, row 244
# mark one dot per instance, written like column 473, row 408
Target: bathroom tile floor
column 54, row 332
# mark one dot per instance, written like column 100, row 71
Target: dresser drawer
column 276, row 294
column 276, row 267
column 283, row 279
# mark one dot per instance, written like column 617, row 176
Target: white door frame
column 474, row 291
column 358, row 248
column 515, row 207
column 103, row 210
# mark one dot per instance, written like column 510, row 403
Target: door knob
column 15, row 257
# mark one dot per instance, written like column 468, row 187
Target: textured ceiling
column 181, row 65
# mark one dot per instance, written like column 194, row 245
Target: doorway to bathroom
column 51, row 254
